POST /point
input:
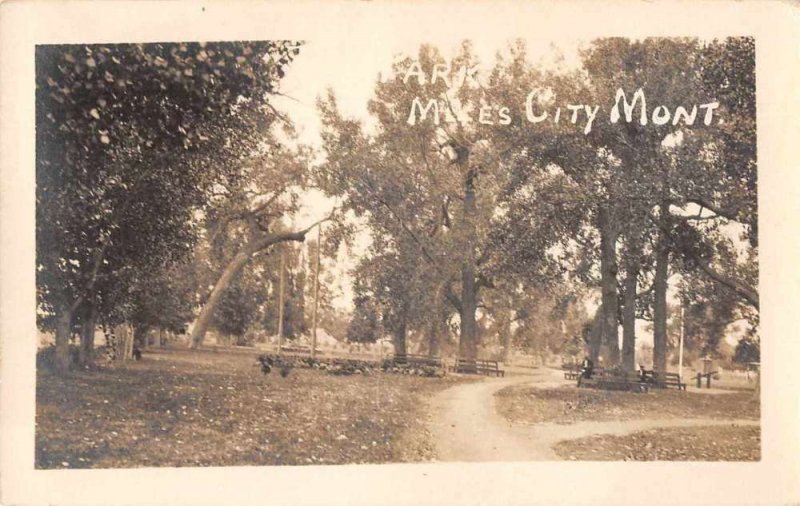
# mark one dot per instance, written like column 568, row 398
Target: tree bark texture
column 468, row 346
column 234, row 266
column 207, row 313
column 63, row 331
column 660, row 295
column 629, row 321
column 399, row 337
column 434, row 337
column 86, row 355
column 609, row 232
column 633, row 253
column 596, row 335
column 505, row 335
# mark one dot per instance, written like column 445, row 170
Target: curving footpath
column 467, row 427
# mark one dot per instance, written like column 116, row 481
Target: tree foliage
column 130, row 140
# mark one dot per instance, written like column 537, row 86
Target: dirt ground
column 540, row 416
column 214, row 408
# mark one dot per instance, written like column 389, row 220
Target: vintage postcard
column 388, row 253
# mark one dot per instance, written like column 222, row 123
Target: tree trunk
column 123, row 336
column 660, row 295
column 633, row 253
column 204, row 319
column 157, row 337
column 399, row 337
column 439, row 329
column 63, row 332
column 505, row 335
column 468, row 346
column 433, row 338
column 86, row 356
column 757, row 390
column 130, row 338
column 140, row 336
column 629, row 320
column 596, row 335
column 234, row 266
column 609, row 231
column 124, row 339
column 118, row 333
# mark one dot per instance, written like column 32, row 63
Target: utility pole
column 280, row 301
column 680, row 348
column 316, row 297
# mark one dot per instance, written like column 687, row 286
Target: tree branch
column 743, row 291
column 297, row 236
column 451, row 297
column 725, row 213
column 259, row 208
column 749, row 294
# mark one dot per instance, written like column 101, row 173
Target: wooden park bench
column 571, row 371
column 417, row 360
column 487, row 367
column 574, row 372
column 614, row 380
column 286, row 348
column 664, row 379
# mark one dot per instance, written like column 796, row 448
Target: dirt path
column 466, row 426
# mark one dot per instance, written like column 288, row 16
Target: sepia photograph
column 525, row 252
column 398, row 254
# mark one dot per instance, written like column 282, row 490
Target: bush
column 247, row 339
column 46, row 357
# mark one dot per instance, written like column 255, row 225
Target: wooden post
column 316, row 297
column 129, row 351
column 124, row 341
column 757, row 390
column 680, row 350
column 281, row 301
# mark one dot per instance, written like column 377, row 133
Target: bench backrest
column 478, row 362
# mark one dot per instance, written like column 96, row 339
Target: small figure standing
column 587, row 367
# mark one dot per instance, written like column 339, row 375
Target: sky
column 352, row 74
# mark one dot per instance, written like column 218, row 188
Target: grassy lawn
column 568, row 404
column 718, row 443
column 214, row 408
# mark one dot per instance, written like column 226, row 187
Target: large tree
column 253, row 213
column 130, row 139
column 651, row 168
column 439, row 186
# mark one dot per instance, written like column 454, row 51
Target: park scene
column 271, row 253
